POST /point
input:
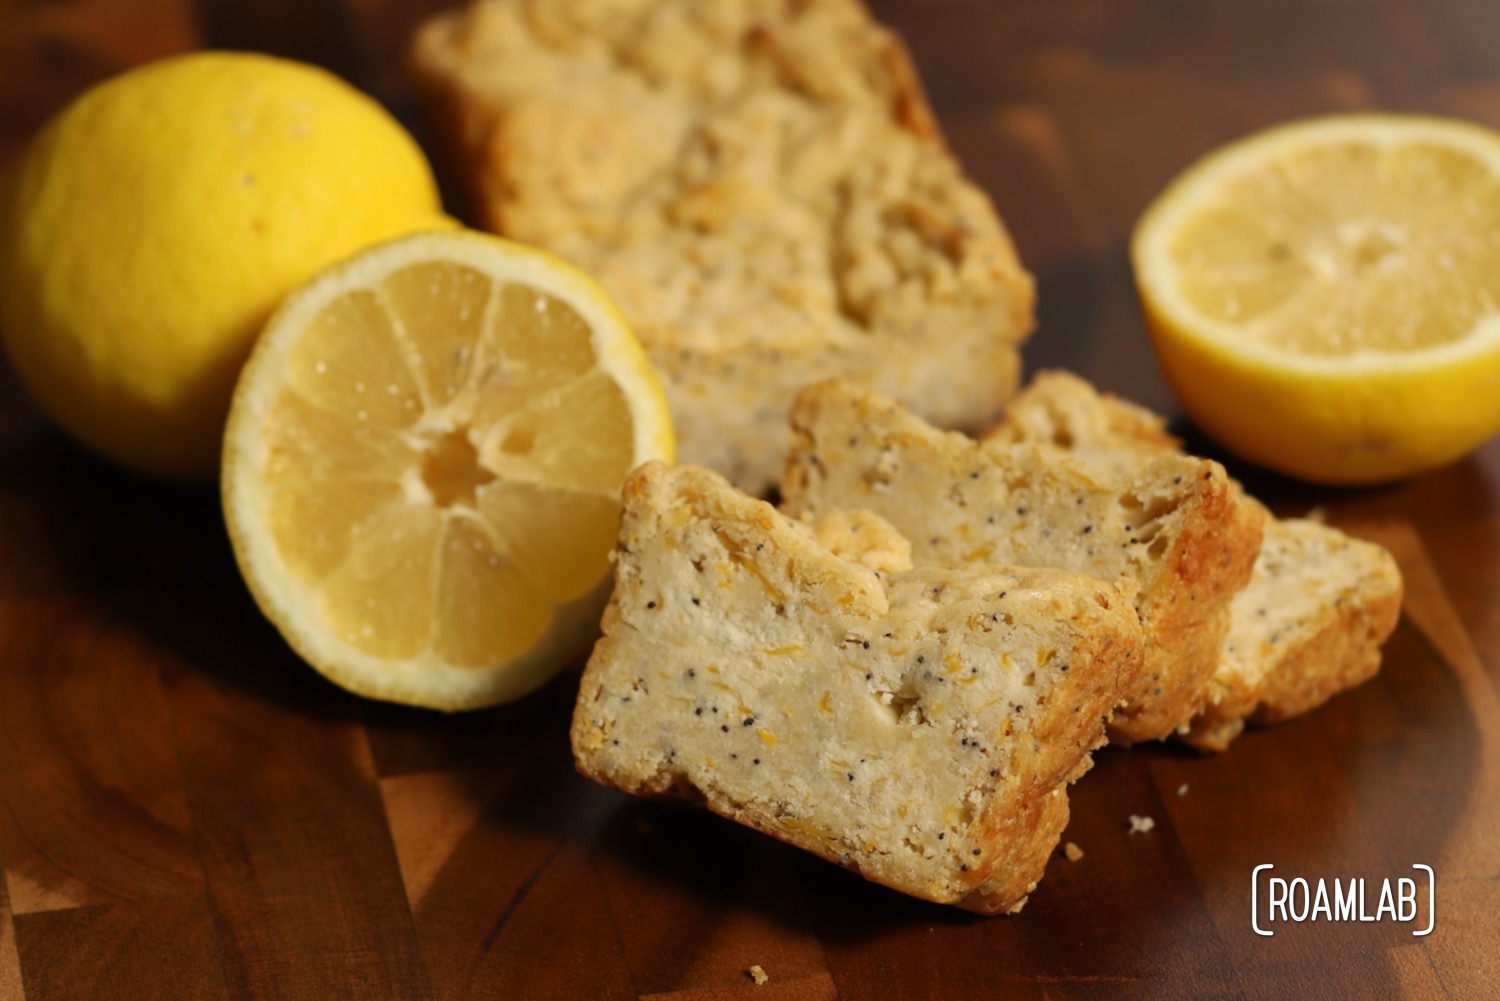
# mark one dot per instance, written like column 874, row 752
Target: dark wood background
column 188, row 811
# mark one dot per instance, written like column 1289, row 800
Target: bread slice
column 918, row 726
column 1176, row 527
column 1318, row 606
column 760, row 186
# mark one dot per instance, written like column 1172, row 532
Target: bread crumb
column 1140, row 825
column 756, row 974
column 1182, row 789
column 1072, row 851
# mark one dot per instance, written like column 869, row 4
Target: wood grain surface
column 188, row 811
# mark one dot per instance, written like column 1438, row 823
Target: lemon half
column 1324, row 297
column 423, row 461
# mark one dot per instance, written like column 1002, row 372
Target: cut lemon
column 1324, row 297
column 423, row 461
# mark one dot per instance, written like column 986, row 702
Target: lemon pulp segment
column 1352, row 245
column 441, row 464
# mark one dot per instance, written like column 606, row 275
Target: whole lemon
column 157, row 221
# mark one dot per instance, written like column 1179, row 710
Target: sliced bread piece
column 1318, row 606
column 919, row 727
column 761, row 187
column 1176, row 527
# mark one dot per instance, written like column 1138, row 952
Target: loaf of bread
column 759, row 185
column 917, row 726
column 1319, row 603
column 1176, row 527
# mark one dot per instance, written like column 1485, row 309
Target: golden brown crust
column 1059, row 408
column 1177, row 527
column 1344, row 653
column 1189, row 617
column 1027, row 838
column 1318, row 606
column 1296, row 658
column 760, row 186
column 918, row 727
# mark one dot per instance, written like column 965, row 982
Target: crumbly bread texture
column 917, row 726
column 760, row 186
column 1175, row 528
column 1319, row 603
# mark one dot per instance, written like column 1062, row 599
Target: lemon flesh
column 423, row 465
column 1325, row 296
column 158, row 220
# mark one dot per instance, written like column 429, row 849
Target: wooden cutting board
column 188, row 811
